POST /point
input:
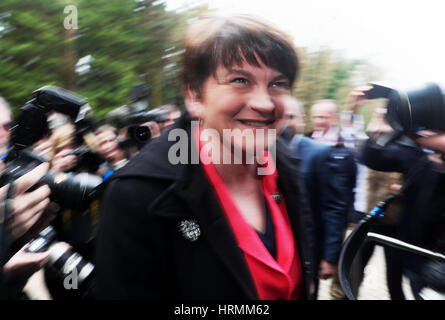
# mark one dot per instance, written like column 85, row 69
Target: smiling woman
column 236, row 74
column 214, row 229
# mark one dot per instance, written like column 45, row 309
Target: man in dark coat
column 329, row 177
column 424, row 183
column 142, row 251
column 328, row 174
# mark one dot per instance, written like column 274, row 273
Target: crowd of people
column 217, row 228
column 65, row 148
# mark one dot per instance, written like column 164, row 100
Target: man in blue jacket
column 329, row 175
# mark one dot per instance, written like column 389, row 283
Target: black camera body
column 86, row 159
column 32, row 124
column 69, row 190
column 138, row 134
column 155, row 115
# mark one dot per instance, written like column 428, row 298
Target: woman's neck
column 237, row 174
column 236, row 171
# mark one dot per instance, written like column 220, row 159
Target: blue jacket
column 329, row 175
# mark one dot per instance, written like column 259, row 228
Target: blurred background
column 113, row 45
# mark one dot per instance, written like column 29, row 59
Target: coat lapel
column 196, row 192
column 301, row 223
column 187, row 185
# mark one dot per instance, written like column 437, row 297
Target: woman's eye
column 280, row 84
column 240, row 81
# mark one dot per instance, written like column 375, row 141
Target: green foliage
column 31, row 39
column 339, row 78
column 129, row 42
column 326, row 74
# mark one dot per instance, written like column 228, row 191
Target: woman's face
column 108, row 145
column 247, row 98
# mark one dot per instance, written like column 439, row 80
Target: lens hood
column 422, row 108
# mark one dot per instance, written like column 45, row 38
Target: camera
column 74, row 191
column 86, row 159
column 134, row 116
column 32, row 124
column 416, row 109
column 422, row 108
column 64, row 260
column 140, row 117
column 137, row 136
column 68, row 190
column 133, row 119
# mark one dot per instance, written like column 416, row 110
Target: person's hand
column 62, row 161
column 327, row 270
column 395, row 187
column 356, row 98
column 26, row 208
column 434, row 140
column 43, row 148
column 45, row 219
column 24, row 264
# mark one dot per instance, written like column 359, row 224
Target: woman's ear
column 193, row 103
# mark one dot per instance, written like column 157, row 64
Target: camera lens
column 71, row 190
column 143, row 133
column 66, row 261
column 43, row 240
column 422, row 108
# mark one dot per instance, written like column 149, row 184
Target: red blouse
column 279, row 278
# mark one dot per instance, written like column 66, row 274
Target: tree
column 327, row 74
column 131, row 42
column 118, row 44
column 31, row 42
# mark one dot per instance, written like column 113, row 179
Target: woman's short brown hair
column 216, row 40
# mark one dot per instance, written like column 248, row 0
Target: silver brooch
column 190, row 230
column 276, row 197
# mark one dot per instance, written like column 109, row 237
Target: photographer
column 73, row 188
column 62, row 145
column 132, row 127
column 107, row 138
column 75, row 226
column 418, row 155
column 25, row 219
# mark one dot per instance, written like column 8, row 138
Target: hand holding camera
column 24, row 264
column 26, row 208
column 63, row 160
column 356, row 98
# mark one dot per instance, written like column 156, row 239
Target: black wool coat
column 141, row 251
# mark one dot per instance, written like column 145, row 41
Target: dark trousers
column 394, row 266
